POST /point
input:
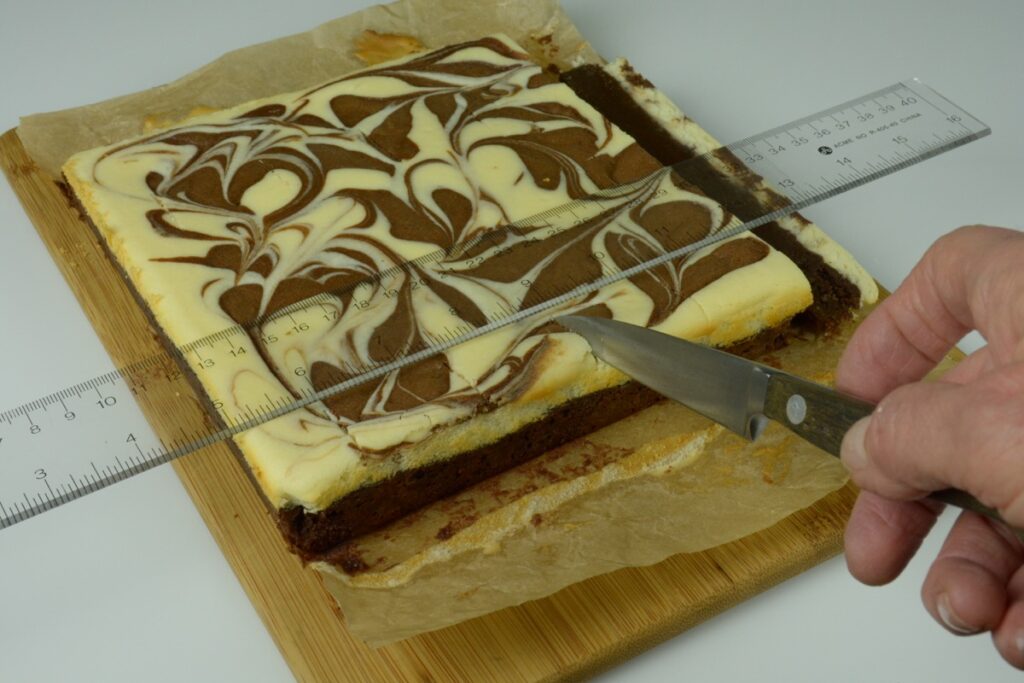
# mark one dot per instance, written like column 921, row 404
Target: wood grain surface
column 572, row 634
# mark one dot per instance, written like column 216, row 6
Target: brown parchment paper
column 298, row 61
column 661, row 482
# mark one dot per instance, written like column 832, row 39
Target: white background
column 127, row 585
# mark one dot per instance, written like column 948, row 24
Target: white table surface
column 128, row 585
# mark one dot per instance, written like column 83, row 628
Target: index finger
column 937, row 304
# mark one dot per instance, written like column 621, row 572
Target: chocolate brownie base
column 375, row 506
column 835, row 297
column 316, row 534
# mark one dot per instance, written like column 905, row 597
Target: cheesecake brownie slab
column 240, row 213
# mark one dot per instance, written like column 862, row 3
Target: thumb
column 926, row 436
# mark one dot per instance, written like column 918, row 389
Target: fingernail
column 952, row 621
column 1019, row 642
column 853, row 454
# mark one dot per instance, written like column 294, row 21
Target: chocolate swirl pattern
column 238, row 214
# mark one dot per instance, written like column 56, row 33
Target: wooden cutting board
column 575, row 633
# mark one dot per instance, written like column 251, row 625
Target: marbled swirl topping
column 252, row 209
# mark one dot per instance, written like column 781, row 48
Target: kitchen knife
column 739, row 394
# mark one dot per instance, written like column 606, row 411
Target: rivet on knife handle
column 823, row 416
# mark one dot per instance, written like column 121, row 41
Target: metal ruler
column 67, row 444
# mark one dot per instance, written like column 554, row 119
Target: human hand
column 964, row 431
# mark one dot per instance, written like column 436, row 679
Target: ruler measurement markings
column 778, row 144
column 937, row 108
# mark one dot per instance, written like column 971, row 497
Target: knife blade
column 739, row 394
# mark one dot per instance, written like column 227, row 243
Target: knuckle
column 997, row 448
column 955, row 242
column 958, row 236
column 915, row 432
column 1008, row 384
column 885, row 431
column 1013, row 510
column 974, row 228
column 975, row 231
column 1006, row 256
column 942, row 256
column 983, row 260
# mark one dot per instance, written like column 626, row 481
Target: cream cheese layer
column 239, row 213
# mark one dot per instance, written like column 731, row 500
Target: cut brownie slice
column 240, row 213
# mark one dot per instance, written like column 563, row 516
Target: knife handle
column 823, row 415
